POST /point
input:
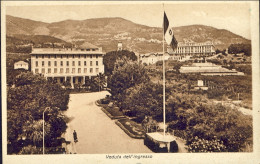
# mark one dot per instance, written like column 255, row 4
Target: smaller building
column 21, row 65
column 152, row 58
column 119, row 46
column 208, row 69
column 201, row 85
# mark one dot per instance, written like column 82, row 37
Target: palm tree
column 98, row 82
column 34, row 131
column 101, row 81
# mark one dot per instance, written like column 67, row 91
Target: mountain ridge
column 108, row 31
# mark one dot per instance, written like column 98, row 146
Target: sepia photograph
column 133, row 81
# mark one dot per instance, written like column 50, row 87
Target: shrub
column 201, row 145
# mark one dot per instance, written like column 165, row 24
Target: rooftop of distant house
column 21, row 62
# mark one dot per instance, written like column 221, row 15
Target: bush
column 201, row 145
column 105, row 101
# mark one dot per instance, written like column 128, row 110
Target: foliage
column 30, row 149
column 126, row 74
column 114, row 111
column 19, row 49
column 209, row 121
column 240, row 48
column 218, row 51
column 196, row 117
column 201, row 145
column 216, row 93
column 144, row 99
column 98, row 83
column 26, row 102
column 110, row 58
column 132, row 127
column 11, row 58
column 247, row 69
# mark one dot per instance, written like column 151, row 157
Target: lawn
column 134, row 128
column 114, row 111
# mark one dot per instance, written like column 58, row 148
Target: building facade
column 21, row 65
column 119, row 46
column 192, row 49
column 152, row 58
column 72, row 65
column 184, row 52
column 208, row 69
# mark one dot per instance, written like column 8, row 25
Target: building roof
column 160, row 137
column 21, row 62
column 205, row 68
column 63, row 51
column 87, row 45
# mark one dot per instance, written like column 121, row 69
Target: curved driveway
column 96, row 132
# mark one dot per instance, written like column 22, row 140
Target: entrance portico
column 70, row 79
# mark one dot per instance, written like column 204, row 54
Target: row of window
column 67, row 70
column 197, row 47
column 65, row 56
column 188, row 50
column 67, row 63
column 192, row 48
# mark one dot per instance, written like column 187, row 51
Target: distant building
column 21, row 65
column 119, row 46
column 187, row 50
column 184, row 52
column 152, row 58
column 72, row 65
column 208, row 69
column 201, row 85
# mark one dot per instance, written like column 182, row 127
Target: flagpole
column 163, row 86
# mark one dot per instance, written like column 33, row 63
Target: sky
column 233, row 16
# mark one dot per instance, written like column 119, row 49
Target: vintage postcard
column 130, row 82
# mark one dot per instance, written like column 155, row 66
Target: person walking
column 75, row 136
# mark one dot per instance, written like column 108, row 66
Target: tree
column 25, row 105
column 98, row 82
column 211, row 122
column 218, row 51
column 111, row 57
column 126, row 74
column 240, row 48
column 144, row 99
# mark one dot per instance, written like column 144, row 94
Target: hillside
column 23, row 43
column 20, row 39
column 107, row 32
column 15, row 25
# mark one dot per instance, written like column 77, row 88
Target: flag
column 168, row 33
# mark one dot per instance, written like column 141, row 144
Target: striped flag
column 168, row 33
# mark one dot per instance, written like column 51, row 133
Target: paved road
column 96, row 132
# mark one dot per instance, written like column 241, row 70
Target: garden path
column 97, row 133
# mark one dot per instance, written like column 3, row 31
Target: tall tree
column 26, row 103
column 111, row 57
column 126, row 74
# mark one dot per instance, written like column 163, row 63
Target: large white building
column 192, row 49
column 184, row 52
column 68, row 64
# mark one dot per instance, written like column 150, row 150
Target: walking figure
column 75, row 136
